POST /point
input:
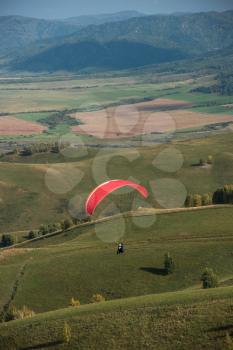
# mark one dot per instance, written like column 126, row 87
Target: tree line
column 8, row 240
column 222, row 195
column 223, row 85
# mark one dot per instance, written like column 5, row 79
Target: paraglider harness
column 120, row 249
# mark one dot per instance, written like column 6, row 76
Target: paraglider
column 103, row 190
column 120, row 248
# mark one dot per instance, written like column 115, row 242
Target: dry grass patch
column 13, row 126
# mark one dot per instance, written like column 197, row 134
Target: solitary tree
column 209, row 279
column 169, row 264
column 7, row 240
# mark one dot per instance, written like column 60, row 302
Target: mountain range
column 123, row 41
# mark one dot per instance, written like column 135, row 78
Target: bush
column 169, row 265
column 197, row 200
column 74, row 302
column 7, row 240
column 206, row 199
column 18, row 314
column 189, row 201
column 97, row 298
column 209, row 279
column 65, row 224
column 31, row 234
column 43, row 230
column 66, row 333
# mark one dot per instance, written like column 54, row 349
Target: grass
column 27, row 201
column 168, row 321
column 79, row 264
column 145, row 308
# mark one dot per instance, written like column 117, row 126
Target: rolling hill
column 109, row 46
column 197, row 319
column 44, row 275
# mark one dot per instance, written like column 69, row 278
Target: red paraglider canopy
column 101, row 191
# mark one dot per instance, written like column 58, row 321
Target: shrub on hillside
column 209, row 279
column 32, row 234
column 74, row 302
column 43, row 230
column 65, row 224
column 66, row 333
column 97, row 298
column 197, row 200
column 206, row 199
column 189, row 201
column 18, row 314
column 169, row 264
column 7, row 240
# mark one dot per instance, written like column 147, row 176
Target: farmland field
column 149, row 129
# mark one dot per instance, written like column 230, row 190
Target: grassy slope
column 181, row 320
column 27, row 202
column 79, row 264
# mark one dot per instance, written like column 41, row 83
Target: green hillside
column 78, row 264
column 27, row 201
column 198, row 320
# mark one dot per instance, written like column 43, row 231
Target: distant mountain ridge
column 103, row 18
column 134, row 42
column 19, row 31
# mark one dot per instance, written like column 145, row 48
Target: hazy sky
column 72, row 8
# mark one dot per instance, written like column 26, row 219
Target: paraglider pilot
column 120, row 249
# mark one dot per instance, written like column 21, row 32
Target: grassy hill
column 45, row 275
column 27, row 202
column 198, row 320
column 80, row 263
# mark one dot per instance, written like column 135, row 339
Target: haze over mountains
column 115, row 41
column 18, row 31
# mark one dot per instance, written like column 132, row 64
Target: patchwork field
column 144, row 118
column 13, row 126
